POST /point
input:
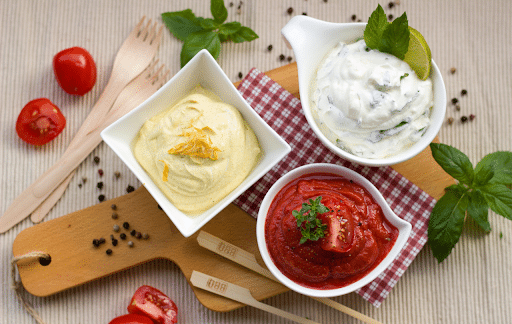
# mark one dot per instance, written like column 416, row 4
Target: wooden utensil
column 147, row 83
column 248, row 260
column 240, row 294
column 76, row 262
column 132, row 58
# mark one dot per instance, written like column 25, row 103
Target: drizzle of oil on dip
column 358, row 236
column 368, row 103
column 197, row 151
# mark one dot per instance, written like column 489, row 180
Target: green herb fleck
column 310, row 226
column 199, row 33
column 404, row 76
column 478, row 189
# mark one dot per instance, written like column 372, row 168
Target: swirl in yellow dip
column 197, row 151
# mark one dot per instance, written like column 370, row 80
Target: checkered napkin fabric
column 283, row 112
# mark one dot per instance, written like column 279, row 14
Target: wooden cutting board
column 75, row 261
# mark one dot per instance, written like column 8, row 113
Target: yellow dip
column 197, row 151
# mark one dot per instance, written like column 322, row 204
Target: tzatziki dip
column 368, row 103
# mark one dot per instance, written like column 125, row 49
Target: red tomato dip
column 357, row 238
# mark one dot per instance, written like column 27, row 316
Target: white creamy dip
column 368, row 103
column 194, row 183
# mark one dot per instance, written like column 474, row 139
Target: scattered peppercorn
column 113, row 206
column 133, row 232
column 99, row 185
column 463, row 119
column 457, row 107
column 100, row 172
column 269, row 48
column 101, row 240
column 390, row 17
column 84, row 179
column 122, row 236
column 289, row 58
column 145, row 236
column 115, row 215
column 391, row 5
column 130, row 243
column 325, row 1
column 282, row 57
column 463, row 92
column 231, row 4
column 138, row 235
column 114, row 242
column 126, row 225
column 129, row 189
column 108, row 251
column 240, row 75
column 450, row 120
column 117, row 174
column 455, row 100
column 304, row 14
column 471, row 117
column 290, row 10
column 96, row 159
column 79, row 185
column 453, row 70
column 101, row 197
column 354, row 17
column 116, row 228
column 95, row 242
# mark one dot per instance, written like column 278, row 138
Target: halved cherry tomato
column 39, row 122
column 154, row 304
column 131, row 319
column 75, row 70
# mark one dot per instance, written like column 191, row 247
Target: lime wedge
column 418, row 55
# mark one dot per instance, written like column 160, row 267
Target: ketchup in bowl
column 358, row 235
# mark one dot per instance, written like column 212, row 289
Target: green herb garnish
column 486, row 186
column 311, row 227
column 199, row 33
column 391, row 38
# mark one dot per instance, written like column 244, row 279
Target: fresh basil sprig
column 199, row 33
column 478, row 189
column 311, row 227
column 391, row 38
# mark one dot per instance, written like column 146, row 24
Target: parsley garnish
column 311, row 227
column 478, row 189
column 199, row 33
column 391, row 38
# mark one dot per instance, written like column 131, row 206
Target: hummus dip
column 197, row 151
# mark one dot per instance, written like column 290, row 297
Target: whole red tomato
column 75, row 70
column 154, row 304
column 39, row 122
column 131, row 319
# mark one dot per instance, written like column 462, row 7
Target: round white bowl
column 311, row 40
column 404, row 228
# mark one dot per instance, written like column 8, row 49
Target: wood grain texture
column 75, row 260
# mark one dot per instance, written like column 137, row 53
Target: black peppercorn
column 282, row 57
column 290, row 10
column 101, row 197
column 463, row 92
column 101, row 240
column 463, row 119
column 99, row 185
column 391, row 5
column 95, row 242
column 231, row 4
column 354, row 17
column 138, row 235
column 108, row 251
column 96, row 159
column 130, row 189
column 269, row 48
column 117, row 174
column 455, row 100
column 133, row 232
column 304, row 14
column 390, row 17
column 450, row 120
column 114, row 215
column 113, row 206
column 471, row 117
column 114, row 242
column 240, row 75
column 122, row 236
column 126, row 225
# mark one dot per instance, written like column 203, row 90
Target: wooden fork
column 132, row 96
column 135, row 54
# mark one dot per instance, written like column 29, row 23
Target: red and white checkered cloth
column 283, row 112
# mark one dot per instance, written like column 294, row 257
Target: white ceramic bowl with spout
column 311, row 40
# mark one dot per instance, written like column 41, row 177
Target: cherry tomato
column 75, row 70
column 154, row 304
column 39, row 122
column 131, row 319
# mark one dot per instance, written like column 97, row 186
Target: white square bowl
column 203, row 70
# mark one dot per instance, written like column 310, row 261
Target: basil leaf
column 219, row 11
column 453, row 161
column 195, row 42
column 395, row 38
column 230, row 28
column 181, row 23
column 244, row 34
column 446, row 221
column 479, row 210
column 500, row 163
column 209, row 24
column 377, row 23
column 499, row 199
column 483, row 176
